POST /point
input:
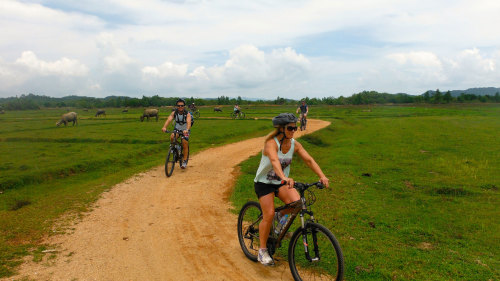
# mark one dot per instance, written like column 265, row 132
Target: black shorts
column 262, row 189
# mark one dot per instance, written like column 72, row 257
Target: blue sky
column 260, row 49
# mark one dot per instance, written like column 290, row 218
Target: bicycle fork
column 314, row 237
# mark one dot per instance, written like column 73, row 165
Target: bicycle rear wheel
column 196, row 114
column 170, row 162
column 233, row 114
column 325, row 260
column 248, row 229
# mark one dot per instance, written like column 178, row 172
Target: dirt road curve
column 153, row 228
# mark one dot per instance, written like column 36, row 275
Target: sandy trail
column 154, row 228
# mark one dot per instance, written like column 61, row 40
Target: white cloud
column 63, row 66
column 167, row 69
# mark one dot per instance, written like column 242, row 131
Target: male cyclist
column 183, row 123
column 192, row 107
column 304, row 109
column 236, row 109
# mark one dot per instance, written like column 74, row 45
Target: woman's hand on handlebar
column 164, row 129
column 289, row 181
column 324, row 180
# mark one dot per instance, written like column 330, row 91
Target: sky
column 253, row 49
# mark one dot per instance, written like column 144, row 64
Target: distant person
column 303, row 108
column 274, row 167
column 183, row 123
column 236, row 109
column 192, row 107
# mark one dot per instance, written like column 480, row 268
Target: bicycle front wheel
column 181, row 156
column 248, row 229
column 196, row 114
column 242, row 115
column 170, row 162
column 323, row 259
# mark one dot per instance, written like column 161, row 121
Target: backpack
column 185, row 117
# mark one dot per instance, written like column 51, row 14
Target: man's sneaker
column 184, row 164
column 264, row 257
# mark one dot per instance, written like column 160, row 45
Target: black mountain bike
column 175, row 153
column 303, row 123
column 313, row 252
column 239, row 115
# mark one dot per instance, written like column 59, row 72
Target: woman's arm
column 271, row 151
column 311, row 163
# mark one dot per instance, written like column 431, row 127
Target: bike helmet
column 183, row 101
column 283, row 119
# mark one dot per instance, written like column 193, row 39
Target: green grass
column 47, row 173
column 432, row 179
column 414, row 192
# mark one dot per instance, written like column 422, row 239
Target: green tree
column 447, row 97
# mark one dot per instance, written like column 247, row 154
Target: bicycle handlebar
column 304, row 186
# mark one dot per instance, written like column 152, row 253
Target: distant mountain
column 491, row 91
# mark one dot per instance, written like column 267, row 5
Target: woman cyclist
column 274, row 167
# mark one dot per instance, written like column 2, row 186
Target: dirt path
column 152, row 228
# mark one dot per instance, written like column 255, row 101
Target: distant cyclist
column 304, row 109
column 279, row 148
column 236, row 109
column 183, row 123
column 192, row 107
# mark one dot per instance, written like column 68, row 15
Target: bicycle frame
column 299, row 208
column 178, row 134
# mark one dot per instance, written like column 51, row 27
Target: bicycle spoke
column 324, row 262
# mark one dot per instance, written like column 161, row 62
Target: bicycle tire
column 326, row 246
column 170, row 162
column 196, row 114
column 303, row 124
column 248, row 229
column 242, row 115
column 233, row 115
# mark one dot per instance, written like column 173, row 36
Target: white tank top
column 266, row 174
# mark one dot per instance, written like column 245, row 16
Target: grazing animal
column 125, row 110
column 217, row 109
column 68, row 117
column 85, row 109
column 2, row 112
column 152, row 112
column 100, row 112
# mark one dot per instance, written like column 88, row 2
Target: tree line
column 32, row 101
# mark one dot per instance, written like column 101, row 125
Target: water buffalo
column 100, row 112
column 2, row 112
column 152, row 112
column 68, row 117
column 125, row 110
column 217, row 109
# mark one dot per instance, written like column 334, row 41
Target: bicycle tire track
column 153, row 228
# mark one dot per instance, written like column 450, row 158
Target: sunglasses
column 291, row 128
column 180, row 105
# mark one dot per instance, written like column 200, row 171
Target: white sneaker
column 264, row 257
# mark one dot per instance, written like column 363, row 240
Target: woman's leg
column 287, row 195
column 267, row 206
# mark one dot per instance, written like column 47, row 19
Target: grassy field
column 428, row 210
column 414, row 193
column 49, row 172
